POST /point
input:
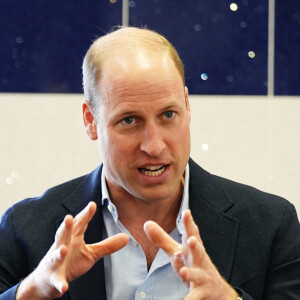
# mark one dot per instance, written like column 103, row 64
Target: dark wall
column 43, row 42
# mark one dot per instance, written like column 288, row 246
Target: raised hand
column 68, row 258
column 191, row 262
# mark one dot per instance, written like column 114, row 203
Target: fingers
column 159, row 237
column 77, row 226
column 177, row 261
column 190, row 227
column 47, row 276
column 57, row 257
column 195, row 275
column 197, row 250
column 59, row 283
column 69, row 257
column 83, row 218
column 63, row 233
column 109, row 245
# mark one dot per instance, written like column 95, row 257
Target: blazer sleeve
column 11, row 264
column 283, row 274
column 281, row 278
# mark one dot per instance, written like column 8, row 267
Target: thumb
column 109, row 245
column 159, row 237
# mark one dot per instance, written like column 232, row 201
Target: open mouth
column 153, row 170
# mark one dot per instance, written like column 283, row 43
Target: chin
column 154, row 196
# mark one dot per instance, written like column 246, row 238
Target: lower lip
column 146, row 179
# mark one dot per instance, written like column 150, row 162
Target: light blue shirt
column 126, row 273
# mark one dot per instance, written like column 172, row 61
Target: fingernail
column 187, row 212
column 176, row 257
column 178, row 254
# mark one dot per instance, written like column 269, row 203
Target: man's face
column 143, row 127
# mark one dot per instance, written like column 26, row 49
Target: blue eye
column 128, row 120
column 169, row 114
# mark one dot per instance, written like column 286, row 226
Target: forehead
column 143, row 78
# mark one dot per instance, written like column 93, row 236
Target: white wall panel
column 253, row 140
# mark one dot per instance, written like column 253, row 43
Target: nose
column 152, row 141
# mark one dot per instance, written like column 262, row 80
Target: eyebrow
column 125, row 113
column 171, row 105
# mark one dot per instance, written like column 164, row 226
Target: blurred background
column 242, row 70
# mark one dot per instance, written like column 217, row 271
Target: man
column 137, row 203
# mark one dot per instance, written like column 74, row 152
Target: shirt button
column 142, row 295
column 110, row 208
column 135, row 244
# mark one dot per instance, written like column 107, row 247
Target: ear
column 89, row 120
column 187, row 102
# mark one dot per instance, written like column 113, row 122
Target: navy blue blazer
column 252, row 237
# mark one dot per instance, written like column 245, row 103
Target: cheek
column 106, row 146
column 119, row 148
column 183, row 142
column 182, row 136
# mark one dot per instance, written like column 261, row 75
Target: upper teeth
column 152, row 168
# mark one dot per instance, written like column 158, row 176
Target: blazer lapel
column 92, row 284
column 218, row 230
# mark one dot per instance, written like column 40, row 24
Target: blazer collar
column 218, row 230
column 89, row 189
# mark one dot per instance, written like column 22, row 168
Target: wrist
column 232, row 293
column 28, row 290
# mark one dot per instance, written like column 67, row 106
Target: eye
column 169, row 114
column 128, row 120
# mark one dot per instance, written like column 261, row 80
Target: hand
column 68, row 258
column 191, row 262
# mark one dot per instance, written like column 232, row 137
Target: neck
column 134, row 212
column 131, row 209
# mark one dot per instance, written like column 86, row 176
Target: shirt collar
column 185, row 200
column 106, row 202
